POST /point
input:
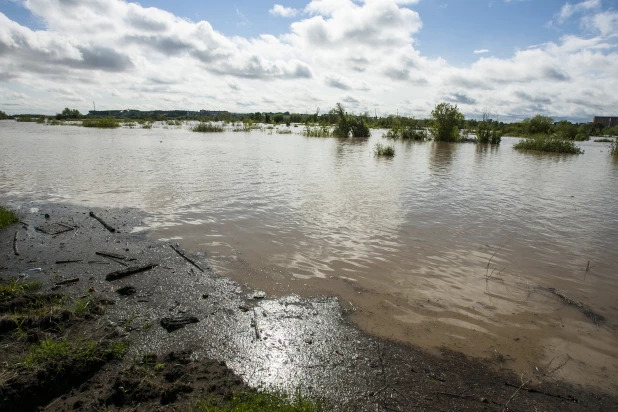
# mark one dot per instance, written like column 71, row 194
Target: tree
column 3, row 115
column 487, row 131
column 69, row 114
column 346, row 124
column 540, row 124
column 566, row 130
column 446, row 119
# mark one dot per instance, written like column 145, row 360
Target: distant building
column 606, row 121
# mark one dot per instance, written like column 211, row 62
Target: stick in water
column 188, row 259
column 15, row 244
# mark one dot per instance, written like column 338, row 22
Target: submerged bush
column 406, row 132
column 446, row 120
column 207, row 128
column 346, row 124
column 548, row 144
column 323, row 131
column 384, row 150
column 487, row 132
column 101, row 122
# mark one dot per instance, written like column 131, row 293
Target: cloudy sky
column 513, row 57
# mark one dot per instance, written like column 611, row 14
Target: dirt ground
column 140, row 325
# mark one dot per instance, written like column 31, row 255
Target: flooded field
column 451, row 245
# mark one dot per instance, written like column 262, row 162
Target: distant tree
column 346, row 124
column 278, row 118
column 3, row 115
column 446, row 119
column 540, row 124
column 69, row 114
column 266, row 118
column 566, row 130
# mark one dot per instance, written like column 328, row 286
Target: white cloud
column 359, row 52
column 569, row 9
column 279, row 10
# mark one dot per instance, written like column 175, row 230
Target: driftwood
column 67, row 282
column 532, row 390
column 111, row 254
column 15, row 250
column 185, row 257
column 60, row 262
column 596, row 317
column 119, row 274
column 108, row 227
column 171, row 324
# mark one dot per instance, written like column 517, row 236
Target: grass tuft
column 323, row 131
column 57, row 351
column 261, row 402
column 7, row 217
column 102, row 122
column 15, row 288
column 384, row 150
column 548, row 144
column 207, row 128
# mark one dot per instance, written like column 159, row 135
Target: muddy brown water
column 405, row 242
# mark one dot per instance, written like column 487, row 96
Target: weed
column 56, row 351
column 323, row 131
column 284, row 131
column 251, row 401
column 384, row 150
column 7, row 217
column 613, row 148
column 147, row 126
column 548, row 144
column 16, row 288
column 102, row 122
column 83, row 306
column 159, row 367
column 207, row 128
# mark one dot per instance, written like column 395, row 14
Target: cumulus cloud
column 122, row 54
column 281, row 11
column 569, row 9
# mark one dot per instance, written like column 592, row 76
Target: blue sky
column 424, row 55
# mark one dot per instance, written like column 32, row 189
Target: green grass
column 262, row 402
column 15, row 288
column 548, row 144
column 207, row 128
column 56, row 351
column 384, row 150
column 284, row 131
column 7, row 217
column 102, row 122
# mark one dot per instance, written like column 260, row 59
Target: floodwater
column 444, row 245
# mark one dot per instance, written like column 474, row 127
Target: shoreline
column 287, row 343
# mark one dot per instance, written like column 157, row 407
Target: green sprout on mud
column 56, row 351
column 16, row 288
column 7, row 217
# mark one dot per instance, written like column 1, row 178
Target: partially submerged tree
column 69, row 114
column 446, row 119
column 347, row 124
column 487, row 130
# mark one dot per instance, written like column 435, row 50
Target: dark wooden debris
column 67, row 282
column 174, row 323
column 105, row 225
column 61, row 262
column 185, row 257
column 119, row 274
column 15, row 250
column 54, row 228
column 596, row 317
column 111, row 254
column 126, row 291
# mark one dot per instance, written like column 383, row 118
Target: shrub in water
column 548, row 144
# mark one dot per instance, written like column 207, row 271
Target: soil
column 193, row 334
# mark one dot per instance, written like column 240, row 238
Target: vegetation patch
column 257, row 401
column 384, row 150
column 446, row 120
column 604, row 141
column 101, row 122
column 7, row 217
column 548, row 144
column 323, row 131
column 51, row 343
column 207, row 127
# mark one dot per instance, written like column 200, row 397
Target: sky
column 512, row 58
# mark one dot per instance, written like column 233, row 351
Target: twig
column 67, row 282
column 255, row 326
column 516, row 392
column 596, row 317
column 111, row 254
column 129, row 271
column 60, row 262
column 532, row 390
column 185, row 257
column 15, row 250
column 499, row 249
column 454, row 395
column 108, row 227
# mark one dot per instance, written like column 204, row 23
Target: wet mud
column 192, row 334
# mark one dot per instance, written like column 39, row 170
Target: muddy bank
column 161, row 301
